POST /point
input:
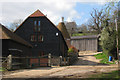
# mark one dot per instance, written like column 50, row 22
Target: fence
column 13, row 62
column 55, row 61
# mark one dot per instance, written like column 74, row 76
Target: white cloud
column 55, row 9
column 99, row 2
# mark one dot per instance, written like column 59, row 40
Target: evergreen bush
column 108, row 41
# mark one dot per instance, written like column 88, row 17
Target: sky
column 72, row 10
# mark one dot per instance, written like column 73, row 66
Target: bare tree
column 97, row 20
column 15, row 24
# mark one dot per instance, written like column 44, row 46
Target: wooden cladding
column 41, row 53
column 85, row 44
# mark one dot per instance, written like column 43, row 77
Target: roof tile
column 37, row 13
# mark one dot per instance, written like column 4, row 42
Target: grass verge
column 104, row 58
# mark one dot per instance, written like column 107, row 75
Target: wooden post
column 9, row 62
column 60, row 60
column 49, row 59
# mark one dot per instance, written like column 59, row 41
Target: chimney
column 62, row 19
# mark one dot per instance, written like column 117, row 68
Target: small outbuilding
column 15, row 46
column 85, row 43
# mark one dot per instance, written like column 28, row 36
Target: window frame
column 40, row 38
column 39, row 26
column 33, row 38
column 35, row 23
column 35, row 28
column 39, row 23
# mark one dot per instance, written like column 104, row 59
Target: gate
column 39, row 61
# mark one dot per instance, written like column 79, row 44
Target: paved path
column 86, row 64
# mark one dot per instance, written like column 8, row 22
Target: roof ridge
column 37, row 13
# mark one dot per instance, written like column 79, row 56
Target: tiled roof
column 7, row 34
column 83, row 37
column 61, row 26
column 37, row 13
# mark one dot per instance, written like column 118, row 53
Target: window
column 40, row 38
column 39, row 26
column 38, row 23
column 33, row 38
column 35, row 29
column 35, row 23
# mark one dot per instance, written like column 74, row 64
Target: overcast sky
column 76, row 10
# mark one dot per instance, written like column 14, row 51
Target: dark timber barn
column 14, row 45
column 43, row 35
column 85, row 43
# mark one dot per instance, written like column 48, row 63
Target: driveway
column 86, row 65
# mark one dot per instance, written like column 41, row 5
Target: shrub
column 108, row 41
column 70, row 50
